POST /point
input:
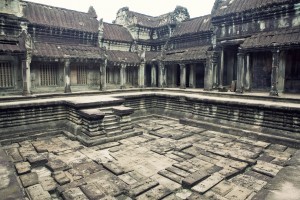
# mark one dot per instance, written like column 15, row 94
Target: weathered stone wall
column 276, row 120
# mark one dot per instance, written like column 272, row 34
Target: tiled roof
column 152, row 55
column 10, row 44
column 114, row 56
column 59, row 17
column 283, row 37
column 151, row 22
column 186, row 55
column 195, row 25
column 50, row 50
column 228, row 7
column 116, row 33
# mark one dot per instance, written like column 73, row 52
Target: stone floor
column 169, row 161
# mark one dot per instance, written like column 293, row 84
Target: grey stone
column 113, row 168
column 208, row 183
column 171, row 176
column 74, row 193
column 29, row 179
column 194, row 178
column 36, row 192
column 141, row 187
column 92, row 191
column 57, row 165
column 157, row 192
column 37, row 160
column 61, row 178
column 48, row 183
column 23, row 167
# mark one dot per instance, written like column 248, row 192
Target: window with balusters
column 81, row 75
column 48, row 74
column 6, row 74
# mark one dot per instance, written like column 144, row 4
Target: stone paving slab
column 203, row 165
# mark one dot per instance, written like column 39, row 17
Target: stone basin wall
column 275, row 120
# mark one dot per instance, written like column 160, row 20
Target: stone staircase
column 111, row 122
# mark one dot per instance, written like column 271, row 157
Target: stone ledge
column 92, row 114
column 122, row 110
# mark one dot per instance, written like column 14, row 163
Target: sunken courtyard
column 162, row 107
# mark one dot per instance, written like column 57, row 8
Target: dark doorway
column 230, row 64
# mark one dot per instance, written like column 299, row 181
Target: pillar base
column 26, row 93
column 273, row 93
column 67, row 90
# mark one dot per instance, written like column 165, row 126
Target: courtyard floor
column 169, row 161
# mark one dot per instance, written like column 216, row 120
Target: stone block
column 92, row 114
column 57, row 165
column 23, row 167
column 266, row 168
column 238, row 193
column 29, row 179
column 208, row 183
column 142, row 187
column 127, row 179
column 113, row 168
column 178, row 171
column 157, row 192
column 223, row 188
column 61, row 178
column 37, row 160
column 92, row 191
column 48, row 183
column 194, row 178
column 74, row 193
column 36, row 192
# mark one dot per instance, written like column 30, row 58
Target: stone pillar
column 281, row 72
column 210, row 78
column 103, row 66
column 247, row 81
column 161, row 74
column 67, row 78
column 192, row 83
column 26, row 75
column 221, row 72
column 274, row 75
column 182, row 76
column 153, row 76
column 240, row 72
column 142, row 75
column 123, row 76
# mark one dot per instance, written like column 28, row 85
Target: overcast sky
column 107, row 9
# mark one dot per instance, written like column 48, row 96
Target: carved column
column 26, row 75
column 153, row 75
column 161, row 75
column 142, row 75
column 240, row 72
column 274, row 75
column 182, row 76
column 67, row 78
column 192, row 83
column 103, row 66
column 123, row 76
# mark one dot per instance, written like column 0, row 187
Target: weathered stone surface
column 208, row 183
column 113, row 168
column 178, row 171
column 85, row 169
column 194, row 178
column 23, row 167
column 74, row 193
column 36, row 192
column 266, row 168
column 37, row 160
column 127, row 179
column 48, row 183
column 141, row 187
column 223, row 188
column 238, row 193
column 14, row 154
column 29, row 179
column 157, row 192
column 171, row 176
column 57, row 165
column 92, row 191
column 61, row 178
column 172, row 185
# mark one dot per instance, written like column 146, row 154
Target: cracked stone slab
column 14, row 154
column 178, row 171
column 48, row 183
column 223, row 188
column 172, row 185
column 113, row 168
column 92, row 191
column 171, row 176
column 37, row 160
column 208, row 183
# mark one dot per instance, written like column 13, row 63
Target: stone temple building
column 240, row 46
column 150, row 107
